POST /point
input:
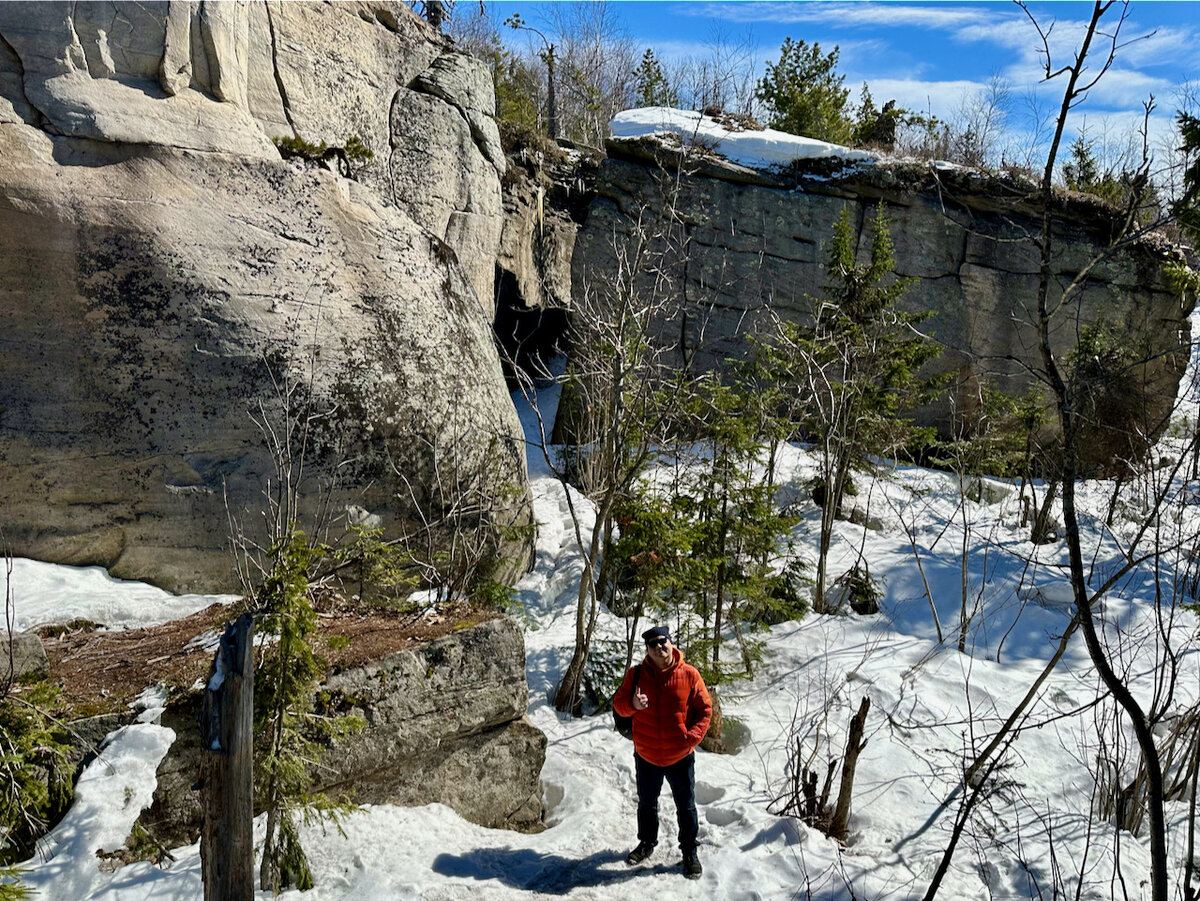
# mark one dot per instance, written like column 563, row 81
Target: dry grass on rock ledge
column 101, row 672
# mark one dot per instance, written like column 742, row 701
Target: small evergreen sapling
column 737, row 534
column 855, row 370
column 286, row 722
column 653, row 89
column 36, row 777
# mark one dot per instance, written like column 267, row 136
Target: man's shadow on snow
column 550, row 874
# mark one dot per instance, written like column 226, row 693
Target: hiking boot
column 640, row 853
column 691, row 865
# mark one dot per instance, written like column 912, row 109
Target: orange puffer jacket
column 679, row 712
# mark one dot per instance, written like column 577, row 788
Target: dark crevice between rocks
column 758, row 252
column 40, row 119
column 391, row 166
column 422, row 85
column 208, row 46
column 527, row 338
column 283, row 95
column 860, row 226
column 384, row 17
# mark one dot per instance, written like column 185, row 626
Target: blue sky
column 928, row 56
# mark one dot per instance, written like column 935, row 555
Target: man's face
column 660, row 651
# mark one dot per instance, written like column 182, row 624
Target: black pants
column 681, row 776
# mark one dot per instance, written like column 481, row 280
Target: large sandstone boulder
column 198, row 320
column 445, row 723
column 748, row 245
column 220, row 76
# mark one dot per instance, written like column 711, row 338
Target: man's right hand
column 639, row 701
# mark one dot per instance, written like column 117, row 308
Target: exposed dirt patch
column 104, row 671
column 733, row 121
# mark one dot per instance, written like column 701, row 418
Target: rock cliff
column 179, row 304
column 443, row 703
column 445, row 724
column 754, row 246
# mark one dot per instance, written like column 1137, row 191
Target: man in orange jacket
column 671, row 710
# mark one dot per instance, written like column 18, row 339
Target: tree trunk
column 1068, row 418
column 1189, row 866
column 1040, row 534
column 567, row 698
column 722, row 566
column 819, row 602
column 227, row 768
column 964, row 620
column 551, row 97
column 839, row 826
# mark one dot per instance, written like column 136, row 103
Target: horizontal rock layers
column 749, row 245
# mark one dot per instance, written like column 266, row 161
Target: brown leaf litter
column 101, row 671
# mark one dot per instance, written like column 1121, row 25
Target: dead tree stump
column 839, row 826
column 227, row 768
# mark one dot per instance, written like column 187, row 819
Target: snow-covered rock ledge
column 756, row 210
column 752, row 148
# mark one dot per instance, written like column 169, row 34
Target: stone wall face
column 176, row 298
column 441, row 718
column 756, row 247
column 536, row 244
column 445, row 724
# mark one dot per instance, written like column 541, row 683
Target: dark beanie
column 656, row 632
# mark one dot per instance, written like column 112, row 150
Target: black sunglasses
column 658, row 643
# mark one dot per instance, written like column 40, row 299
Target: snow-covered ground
column 45, row 593
column 1034, row 835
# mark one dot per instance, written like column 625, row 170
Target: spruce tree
column 737, row 534
column 285, row 719
column 805, row 93
column 1187, row 209
column 1082, row 172
column 855, row 370
column 652, row 86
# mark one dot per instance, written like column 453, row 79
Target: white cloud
column 1165, row 45
column 677, row 52
column 1063, row 38
column 941, row 98
column 844, row 14
column 683, row 51
column 1125, row 89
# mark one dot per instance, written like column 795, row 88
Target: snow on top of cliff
column 754, row 148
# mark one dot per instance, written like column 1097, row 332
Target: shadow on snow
column 523, row 868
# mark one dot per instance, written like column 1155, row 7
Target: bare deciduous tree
column 617, row 402
column 1111, row 651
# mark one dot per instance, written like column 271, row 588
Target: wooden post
column 227, row 768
